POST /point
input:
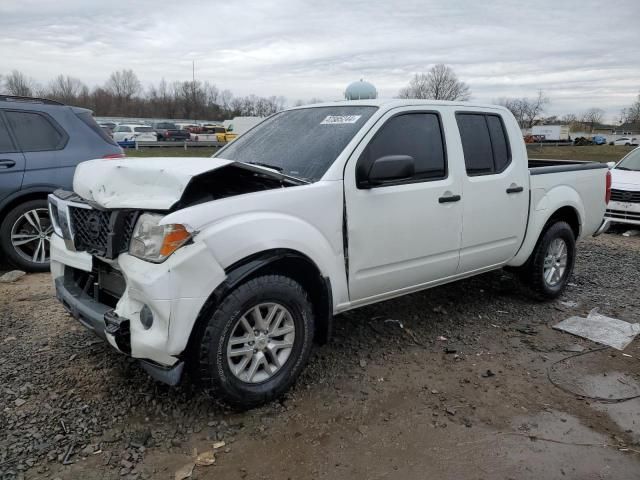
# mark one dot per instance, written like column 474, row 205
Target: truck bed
column 542, row 166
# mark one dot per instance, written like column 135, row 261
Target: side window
column 34, row 132
column 6, row 145
column 501, row 151
column 418, row 135
column 484, row 142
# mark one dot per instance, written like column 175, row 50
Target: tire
column 535, row 273
column 214, row 360
column 20, row 224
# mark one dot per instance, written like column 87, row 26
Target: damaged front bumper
column 109, row 298
column 108, row 325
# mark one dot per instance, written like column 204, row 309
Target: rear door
column 12, row 163
column 42, row 141
column 495, row 189
column 404, row 235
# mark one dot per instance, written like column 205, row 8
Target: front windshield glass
column 631, row 161
column 300, row 143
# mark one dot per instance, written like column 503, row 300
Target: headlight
column 153, row 242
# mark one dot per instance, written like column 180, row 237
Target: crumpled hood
column 625, row 180
column 153, row 183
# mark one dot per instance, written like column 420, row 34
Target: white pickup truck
column 234, row 265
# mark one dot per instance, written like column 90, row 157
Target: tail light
column 168, row 134
column 607, row 193
column 114, row 155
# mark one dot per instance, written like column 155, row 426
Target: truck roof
column 389, row 103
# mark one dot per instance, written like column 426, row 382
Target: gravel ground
column 447, row 383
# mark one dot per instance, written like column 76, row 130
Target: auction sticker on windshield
column 340, row 119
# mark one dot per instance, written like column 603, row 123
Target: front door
column 406, row 233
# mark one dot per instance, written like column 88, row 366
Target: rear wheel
column 257, row 342
column 25, row 234
column 548, row 269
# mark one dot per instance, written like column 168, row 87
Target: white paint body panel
column 400, row 239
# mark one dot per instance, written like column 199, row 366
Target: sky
column 583, row 54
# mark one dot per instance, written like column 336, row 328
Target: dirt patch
column 387, row 398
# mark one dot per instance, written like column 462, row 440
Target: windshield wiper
column 622, row 168
column 272, row 167
column 278, row 169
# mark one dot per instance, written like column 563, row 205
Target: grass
column 598, row 153
column 595, row 153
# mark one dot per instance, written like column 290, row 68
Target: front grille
column 622, row 214
column 102, row 233
column 90, row 229
column 625, row 196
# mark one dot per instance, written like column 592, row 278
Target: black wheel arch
column 25, row 195
column 290, row 263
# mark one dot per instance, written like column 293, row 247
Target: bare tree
column 124, row 84
column 17, row 83
column 439, row 83
column 527, row 111
column 592, row 117
column 65, row 89
column 632, row 113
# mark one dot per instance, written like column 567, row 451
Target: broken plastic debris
column 601, row 329
column 205, row 459
column 631, row 233
column 184, row 472
column 442, row 339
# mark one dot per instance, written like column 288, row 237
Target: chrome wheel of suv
column 30, row 235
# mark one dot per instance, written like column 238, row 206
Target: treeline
column 124, row 95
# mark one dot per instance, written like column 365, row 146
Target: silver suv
column 41, row 142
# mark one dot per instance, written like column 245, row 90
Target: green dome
column 360, row 91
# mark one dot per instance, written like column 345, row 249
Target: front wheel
column 548, row 269
column 257, row 341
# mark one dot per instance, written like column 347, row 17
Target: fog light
column 146, row 317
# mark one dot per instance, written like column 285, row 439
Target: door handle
column 515, row 189
column 449, row 199
column 7, row 163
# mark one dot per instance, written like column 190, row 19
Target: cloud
column 581, row 53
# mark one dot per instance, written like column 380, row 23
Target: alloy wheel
column 31, row 234
column 261, row 342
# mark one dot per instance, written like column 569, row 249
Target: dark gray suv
column 41, row 142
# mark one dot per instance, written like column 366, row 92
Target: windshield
column 143, row 129
column 631, row 161
column 167, row 126
column 300, row 143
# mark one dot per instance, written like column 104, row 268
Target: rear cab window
column 36, row 132
column 485, row 143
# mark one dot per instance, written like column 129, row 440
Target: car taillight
column 607, row 193
column 114, row 155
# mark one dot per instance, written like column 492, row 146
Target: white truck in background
column 240, row 125
column 555, row 133
column 234, row 265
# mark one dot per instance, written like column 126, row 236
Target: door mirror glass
column 389, row 168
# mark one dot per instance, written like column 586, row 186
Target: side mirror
column 611, row 165
column 387, row 169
